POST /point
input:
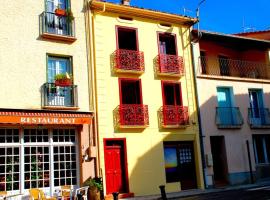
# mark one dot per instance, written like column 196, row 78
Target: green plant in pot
column 95, row 186
column 63, row 79
column 69, row 15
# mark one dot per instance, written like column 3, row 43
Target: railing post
column 163, row 192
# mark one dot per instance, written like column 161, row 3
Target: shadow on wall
column 227, row 125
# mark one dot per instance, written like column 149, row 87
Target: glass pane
column 171, row 164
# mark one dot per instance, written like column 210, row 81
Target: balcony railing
column 129, row 61
column 170, row 65
column 228, row 117
column 57, row 27
column 259, row 117
column 131, row 116
column 173, row 116
column 215, row 66
column 59, row 97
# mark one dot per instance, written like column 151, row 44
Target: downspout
column 91, row 82
column 201, row 137
column 94, row 82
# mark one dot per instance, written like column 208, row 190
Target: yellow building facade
column 146, row 110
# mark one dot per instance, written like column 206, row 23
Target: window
column 59, row 96
column 130, row 91
column 261, row 145
column 127, row 38
column 58, row 65
column 56, row 24
column 41, row 155
column 171, row 93
column 167, row 44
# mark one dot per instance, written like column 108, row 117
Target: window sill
column 260, row 126
column 63, row 38
column 177, row 75
column 229, row 126
column 60, row 108
column 128, row 71
column 180, row 126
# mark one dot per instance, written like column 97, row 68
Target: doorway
column 220, row 166
column 180, row 164
column 116, row 166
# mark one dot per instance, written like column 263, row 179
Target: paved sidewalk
column 199, row 191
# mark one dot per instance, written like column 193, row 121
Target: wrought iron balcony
column 57, row 27
column 171, row 65
column 128, row 61
column 259, row 117
column 173, row 116
column 228, row 117
column 215, row 66
column 131, row 116
column 58, row 97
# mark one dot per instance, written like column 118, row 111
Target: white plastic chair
column 82, row 191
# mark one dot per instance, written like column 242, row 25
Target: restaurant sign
column 43, row 119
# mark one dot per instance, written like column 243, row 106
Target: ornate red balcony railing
column 215, row 66
column 170, row 64
column 174, row 115
column 133, row 115
column 129, row 60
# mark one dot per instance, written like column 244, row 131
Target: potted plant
column 69, row 15
column 59, row 11
column 63, row 79
column 95, row 186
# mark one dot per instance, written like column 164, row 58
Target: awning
column 31, row 118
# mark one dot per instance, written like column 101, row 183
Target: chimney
column 125, row 2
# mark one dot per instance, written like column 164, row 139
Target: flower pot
column 63, row 82
column 93, row 193
column 60, row 12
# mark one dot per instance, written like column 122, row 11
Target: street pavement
column 256, row 193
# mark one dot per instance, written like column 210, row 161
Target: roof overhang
column 140, row 12
column 231, row 39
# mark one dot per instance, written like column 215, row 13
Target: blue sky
column 225, row 16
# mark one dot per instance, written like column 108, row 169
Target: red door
column 114, row 177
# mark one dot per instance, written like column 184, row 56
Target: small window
column 167, row 44
column 127, row 38
column 130, row 91
column 171, row 93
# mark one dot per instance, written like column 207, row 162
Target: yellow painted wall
column 23, row 54
column 144, row 146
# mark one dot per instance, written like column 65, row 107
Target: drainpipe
column 199, row 116
column 93, row 72
column 91, row 79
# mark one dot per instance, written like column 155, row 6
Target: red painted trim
column 125, row 157
column 171, row 83
column 165, row 33
column 129, row 80
column 117, row 27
